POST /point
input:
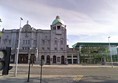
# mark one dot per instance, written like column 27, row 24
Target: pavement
column 45, row 79
column 66, row 66
column 63, row 74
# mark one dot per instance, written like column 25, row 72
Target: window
column 48, row 41
column 55, row 41
column 26, row 35
column 23, row 41
column 58, row 59
column 34, row 41
column 42, row 48
column 74, row 56
column 42, row 57
column 28, row 41
column 61, row 41
column 58, row 27
column 48, row 48
column 55, row 48
column 46, row 37
column 9, row 41
column 43, row 42
column 54, row 28
column 61, row 48
column 69, row 56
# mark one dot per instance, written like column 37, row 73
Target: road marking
column 78, row 77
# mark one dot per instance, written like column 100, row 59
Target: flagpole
column 16, row 59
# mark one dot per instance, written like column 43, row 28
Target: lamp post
column 16, row 59
column 29, row 60
column 42, row 63
column 110, row 51
column 80, row 47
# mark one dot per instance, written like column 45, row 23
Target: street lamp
column 80, row 47
column 110, row 51
column 16, row 59
column 41, row 63
column 29, row 60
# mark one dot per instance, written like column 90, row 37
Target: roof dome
column 27, row 27
column 57, row 20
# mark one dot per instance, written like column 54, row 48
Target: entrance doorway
column 62, row 60
column 32, row 58
column 48, row 60
column 23, row 58
column 54, row 59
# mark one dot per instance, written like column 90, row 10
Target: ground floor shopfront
column 47, row 59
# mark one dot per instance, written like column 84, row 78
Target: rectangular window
column 61, row 48
column 34, row 41
column 54, row 28
column 48, row 41
column 74, row 56
column 42, row 48
column 48, row 48
column 58, row 59
column 69, row 56
column 9, row 41
column 28, row 41
column 55, row 48
column 61, row 42
column 43, row 42
column 23, row 41
column 55, row 42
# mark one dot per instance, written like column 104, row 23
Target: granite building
column 49, row 45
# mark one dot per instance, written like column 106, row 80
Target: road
column 70, row 74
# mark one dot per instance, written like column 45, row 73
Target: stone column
column 37, row 56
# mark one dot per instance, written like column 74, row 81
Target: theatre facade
column 48, row 45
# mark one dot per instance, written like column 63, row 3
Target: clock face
column 1, row 54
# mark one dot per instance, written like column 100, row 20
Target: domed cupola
column 57, row 21
column 27, row 28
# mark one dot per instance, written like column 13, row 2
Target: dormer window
column 58, row 27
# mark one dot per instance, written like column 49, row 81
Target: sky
column 86, row 20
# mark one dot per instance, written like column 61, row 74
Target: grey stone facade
column 50, row 45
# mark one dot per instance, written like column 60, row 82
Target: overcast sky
column 86, row 20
